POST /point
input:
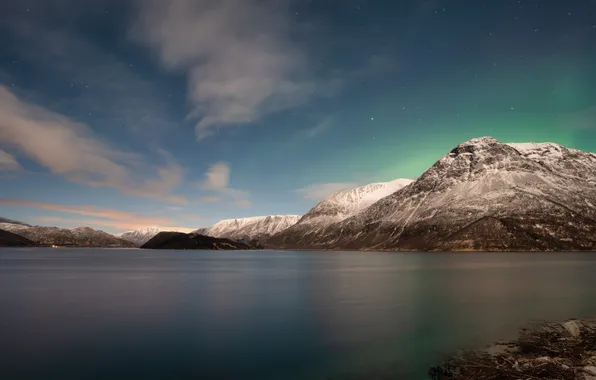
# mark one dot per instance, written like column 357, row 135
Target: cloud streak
column 8, row 163
column 240, row 61
column 107, row 215
column 320, row 127
column 111, row 224
column 217, row 179
column 100, row 85
column 101, row 216
column 318, row 192
column 70, row 149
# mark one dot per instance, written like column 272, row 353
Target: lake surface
column 133, row 314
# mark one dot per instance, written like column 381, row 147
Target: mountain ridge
column 72, row 237
column 478, row 178
column 251, row 228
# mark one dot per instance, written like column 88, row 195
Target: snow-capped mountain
column 75, row 237
column 483, row 195
column 13, row 227
column 342, row 205
column 347, row 203
column 247, row 229
column 143, row 235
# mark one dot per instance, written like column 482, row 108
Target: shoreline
column 547, row 350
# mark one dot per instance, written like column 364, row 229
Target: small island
column 179, row 240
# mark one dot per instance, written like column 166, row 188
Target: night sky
column 124, row 114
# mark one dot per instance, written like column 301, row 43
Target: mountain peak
column 483, row 195
column 477, row 145
column 485, row 140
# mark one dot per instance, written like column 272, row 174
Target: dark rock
column 8, row 239
column 178, row 240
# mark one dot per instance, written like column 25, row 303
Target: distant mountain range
column 73, row 237
column 483, row 195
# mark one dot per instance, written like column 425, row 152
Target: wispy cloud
column 320, row 127
column 101, row 216
column 99, row 85
column 243, row 203
column 318, row 192
column 70, row 149
column 217, row 179
column 210, row 198
column 240, row 61
column 8, row 162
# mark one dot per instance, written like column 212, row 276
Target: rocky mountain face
column 250, row 229
column 75, row 237
column 483, row 195
column 8, row 239
column 179, row 240
column 141, row 236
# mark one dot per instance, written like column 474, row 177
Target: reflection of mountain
column 483, row 195
column 74, row 237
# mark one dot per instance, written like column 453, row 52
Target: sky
column 122, row 114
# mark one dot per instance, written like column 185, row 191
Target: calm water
column 131, row 314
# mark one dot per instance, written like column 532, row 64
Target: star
column 372, row 118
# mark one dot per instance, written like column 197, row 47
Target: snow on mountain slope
column 347, row 203
column 482, row 195
column 13, row 227
column 143, row 235
column 256, row 227
column 76, row 237
column 10, row 221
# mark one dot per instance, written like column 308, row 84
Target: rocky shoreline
column 546, row 350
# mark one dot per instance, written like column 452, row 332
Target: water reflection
column 269, row 315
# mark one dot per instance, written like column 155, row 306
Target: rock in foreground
column 553, row 351
column 8, row 239
column 179, row 240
